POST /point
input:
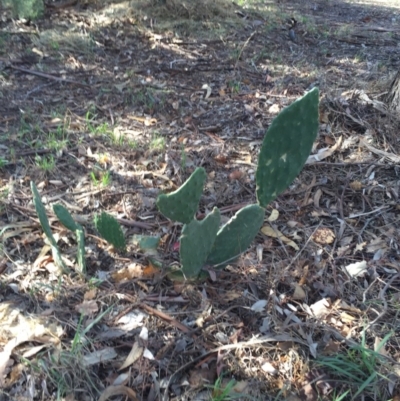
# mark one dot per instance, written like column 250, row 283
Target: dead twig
column 47, row 76
column 166, row 317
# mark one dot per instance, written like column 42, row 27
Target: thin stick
column 43, row 75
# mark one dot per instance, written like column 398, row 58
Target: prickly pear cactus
column 197, row 239
column 80, row 257
column 181, row 205
column 66, row 219
column 236, row 235
column 44, row 222
column 286, row 147
column 110, row 230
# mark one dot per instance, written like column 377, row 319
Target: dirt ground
column 105, row 104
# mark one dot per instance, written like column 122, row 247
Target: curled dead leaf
column 87, row 307
column 134, row 355
column 356, row 185
column 235, row 175
column 128, row 273
column 91, row 294
column 201, row 377
column 274, row 233
column 299, row 293
column 118, row 390
column 274, row 215
column 323, row 236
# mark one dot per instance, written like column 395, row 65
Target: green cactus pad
column 181, row 205
column 197, row 240
column 65, row 217
column 286, row 147
column 236, row 235
column 67, row 221
column 44, row 222
column 80, row 237
column 110, row 230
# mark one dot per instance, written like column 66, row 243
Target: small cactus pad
column 286, row 147
column 80, row 237
column 44, row 222
column 236, row 235
column 65, row 217
column 181, row 205
column 110, row 230
column 197, row 240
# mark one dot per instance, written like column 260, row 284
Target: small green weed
column 56, row 140
column 3, row 162
column 360, row 368
column 132, row 144
column 359, row 57
column 102, row 129
column 117, row 139
column 55, row 45
column 157, row 142
column 24, row 127
column 344, row 30
column 94, row 178
column 4, row 39
column 222, row 391
column 234, row 86
column 45, row 163
column 103, row 178
column 145, row 98
column 106, row 179
column 29, row 9
column 94, row 128
column 67, row 369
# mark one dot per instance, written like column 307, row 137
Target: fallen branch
column 43, row 75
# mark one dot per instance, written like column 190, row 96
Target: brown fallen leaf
column 134, row 270
column 236, row 175
column 201, row 377
column 331, row 348
column 134, row 355
column 118, row 390
column 274, row 233
column 299, row 293
column 323, row 236
column 91, row 294
column 87, row 308
column 356, row 185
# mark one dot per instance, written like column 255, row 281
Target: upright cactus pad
column 110, row 230
column 44, row 222
column 65, row 217
column 182, row 204
column 66, row 220
column 236, row 235
column 197, row 240
column 286, row 147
